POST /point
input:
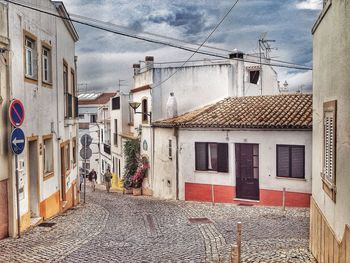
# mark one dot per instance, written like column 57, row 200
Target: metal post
column 239, row 240
column 212, row 194
column 17, row 199
column 284, row 199
column 85, row 173
column 234, row 254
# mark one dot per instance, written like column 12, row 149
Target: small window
column 81, row 116
column 144, row 111
column 48, row 156
column 115, row 134
column 66, row 157
column 211, row 156
column 291, row 161
column 74, row 149
column 46, row 57
column 93, row 118
column 30, row 58
column 329, row 148
column 170, row 149
column 116, row 103
column 72, row 80
column 254, row 76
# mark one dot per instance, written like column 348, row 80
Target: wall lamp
column 134, row 105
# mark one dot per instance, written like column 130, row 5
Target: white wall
column 43, row 105
column 331, row 81
column 267, row 141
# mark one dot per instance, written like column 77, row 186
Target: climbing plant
column 132, row 156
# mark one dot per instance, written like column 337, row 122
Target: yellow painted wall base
column 116, row 183
column 25, row 221
column 50, row 206
column 323, row 242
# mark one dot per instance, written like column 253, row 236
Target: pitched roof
column 100, row 99
column 289, row 111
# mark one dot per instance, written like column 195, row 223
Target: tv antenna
column 265, row 46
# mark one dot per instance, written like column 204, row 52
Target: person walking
column 92, row 179
column 108, row 178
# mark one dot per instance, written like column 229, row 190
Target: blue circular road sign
column 17, row 141
column 16, row 113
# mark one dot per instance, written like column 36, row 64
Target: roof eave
column 68, row 23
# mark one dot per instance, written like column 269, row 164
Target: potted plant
column 139, row 175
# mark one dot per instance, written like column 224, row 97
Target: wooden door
column 247, row 171
column 63, row 174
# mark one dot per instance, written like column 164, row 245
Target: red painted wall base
column 226, row 194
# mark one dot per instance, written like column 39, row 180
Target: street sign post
column 17, row 144
column 86, row 140
column 17, row 141
column 16, row 113
column 85, row 153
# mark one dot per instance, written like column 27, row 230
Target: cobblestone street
column 121, row 228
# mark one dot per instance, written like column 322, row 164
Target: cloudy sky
column 105, row 58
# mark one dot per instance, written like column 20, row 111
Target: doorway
column 63, row 173
column 247, row 171
column 34, row 197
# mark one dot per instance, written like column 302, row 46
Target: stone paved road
column 120, row 228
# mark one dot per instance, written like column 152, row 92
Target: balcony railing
column 107, row 148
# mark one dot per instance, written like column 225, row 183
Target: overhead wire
column 194, row 53
column 153, row 40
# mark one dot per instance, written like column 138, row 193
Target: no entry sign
column 16, row 112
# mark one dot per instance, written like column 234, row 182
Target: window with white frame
column 48, row 156
column 329, row 141
column 46, row 56
column 30, row 58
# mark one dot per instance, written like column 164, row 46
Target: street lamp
column 134, row 105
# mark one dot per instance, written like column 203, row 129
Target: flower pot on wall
column 136, row 191
column 128, row 191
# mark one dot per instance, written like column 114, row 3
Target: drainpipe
column 58, row 118
column 176, row 133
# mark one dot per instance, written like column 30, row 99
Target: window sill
column 210, row 172
column 47, row 84
column 30, row 80
column 329, row 188
column 291, row 178
column 48, row 176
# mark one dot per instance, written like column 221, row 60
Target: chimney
column 136, row 68
column 171, row 106
column 236, row 54
column 149, row 60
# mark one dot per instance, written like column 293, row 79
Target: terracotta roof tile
column 290, row 111
column 103, row 98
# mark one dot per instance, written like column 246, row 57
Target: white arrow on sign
column 15, row 141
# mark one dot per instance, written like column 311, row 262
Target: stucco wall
column 267, row 141
column 331, row 81
column 44, row 104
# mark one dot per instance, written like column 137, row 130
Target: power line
column 205, row 40
column 173, row 39
column 153, row 40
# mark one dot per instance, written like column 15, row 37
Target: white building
column 94, row 120
column 330, row 208
column 120, row 120
column 38, row 66
column 238, row 150
column 197, row 84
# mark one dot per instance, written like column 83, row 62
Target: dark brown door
column 63, row 174
column 247, row 171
